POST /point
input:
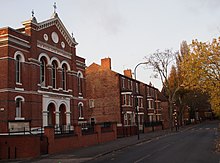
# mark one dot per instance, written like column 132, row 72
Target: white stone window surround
column 18, row 115
column 59, row 65
column 81, row 107
column 21, row 60
column 57, row 103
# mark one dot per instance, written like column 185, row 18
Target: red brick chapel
column 42, row 77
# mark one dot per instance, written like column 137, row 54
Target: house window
column 125, row 119
column 42, row 71
column 54, row 72
column 123, row 82
column 150, row 118
column 64, row 77
column 148, row 91
column 124, row 100
column 141, row 103
column 129, row 84
column 18, row 69
column 129, row 100
column 91, row 103
column 137, row 88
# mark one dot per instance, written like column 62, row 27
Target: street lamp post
column 135, row 97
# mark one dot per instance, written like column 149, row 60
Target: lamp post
column 135, row 97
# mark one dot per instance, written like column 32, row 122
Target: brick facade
column 42, row 78
column 113, row 97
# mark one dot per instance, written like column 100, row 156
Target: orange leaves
column 201, row 69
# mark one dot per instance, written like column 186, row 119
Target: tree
column 161, row 63
column 200, row 69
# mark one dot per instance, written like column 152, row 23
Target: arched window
column 80, row 77
column 80, row 109
column 42, row 71
column 18, row 108
column 18, row 68
column 64, row 69
column 54, row 74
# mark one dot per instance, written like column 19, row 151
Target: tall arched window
column 18, row 108
column 80, row 77
column 80, row 109
column 54, row 74
column 18, row 69
column 64, row 76
column 42, row 71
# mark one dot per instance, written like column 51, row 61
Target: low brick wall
column 19, row 146
column 63, row 143
column 124, row 131
column 30, row 146
column 152, row 129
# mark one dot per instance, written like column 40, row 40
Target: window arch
column 80, row 77
column 54, row 74
column 18, row 106
column 80, row 110
column 66, row 63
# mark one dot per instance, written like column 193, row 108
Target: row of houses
column 44, row 82
column 115, row 97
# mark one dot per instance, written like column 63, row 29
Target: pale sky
column 124, row 30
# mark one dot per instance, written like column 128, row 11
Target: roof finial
column 32, row 13
column 33, row 19
column 54, row 7
column 72, row 35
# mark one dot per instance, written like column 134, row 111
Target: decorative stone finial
column 54, row 7
column 33, row 19
column 32, row 13
column 54, row 15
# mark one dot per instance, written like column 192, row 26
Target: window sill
column 19, row 118
column 19, row 89
column 18, row 83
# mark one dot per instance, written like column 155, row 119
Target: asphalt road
column 196, row 145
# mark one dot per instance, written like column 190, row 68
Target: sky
column 127, row 31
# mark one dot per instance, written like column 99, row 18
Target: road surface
column 196, row 145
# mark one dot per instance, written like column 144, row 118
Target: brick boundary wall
column 31, row 146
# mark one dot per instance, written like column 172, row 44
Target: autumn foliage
column 200, row 69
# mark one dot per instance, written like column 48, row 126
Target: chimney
column 106, row 63
column 128, row 73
